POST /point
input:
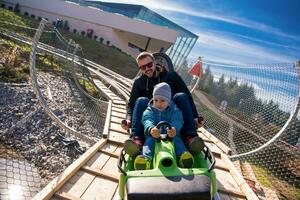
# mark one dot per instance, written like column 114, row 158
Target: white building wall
column 117, row 29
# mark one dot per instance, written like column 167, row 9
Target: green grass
column 18, row 69
column 268, row 180
column 89, row 88
column 46, row 63
column 107, row 56
column 213, row 121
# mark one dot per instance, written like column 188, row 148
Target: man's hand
column 171, row 132
column 125, row 124
column 199, row 122
column 155, row 132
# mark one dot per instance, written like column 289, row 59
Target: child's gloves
column 155, row 132
column 171, row 132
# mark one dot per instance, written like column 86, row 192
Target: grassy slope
column 107, row 56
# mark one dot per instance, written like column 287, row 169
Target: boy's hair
column 144, row 55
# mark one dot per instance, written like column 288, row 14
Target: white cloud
column 241, row 51
column 175, row 7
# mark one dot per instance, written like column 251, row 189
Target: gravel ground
column 27, row 129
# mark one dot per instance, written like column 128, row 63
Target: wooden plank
column 116, row 119
column 220, row 144
column 77, row 184
column 109, row 146
column 119, row 110
column 118, row 150
column 226, row 184
column 228, row 197
column 116, row 114
column 118, row 137
column 120, row 106
column 119, row 102
column 214, row 149
column 105, row 175
column 100, row 189
column 100, row 85
column 59, row 181
column 207, row 140
column 98, row 161
column 203, row 136
column 221, row 164
column 116, row 142
column 117, row 127
column 245, row 188
column 115, row 98
column 111, row 166
column 107, row 119
column 66, row 196
column 221, row 167
column 112, row 154
column 116, row 195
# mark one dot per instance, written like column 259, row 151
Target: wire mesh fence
column 245, row 106
column 254, row 110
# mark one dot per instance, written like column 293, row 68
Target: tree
column 208, row 80
column 183, row 72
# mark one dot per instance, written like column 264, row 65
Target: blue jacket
column 152, row 116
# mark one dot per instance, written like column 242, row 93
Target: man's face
column 146, row 65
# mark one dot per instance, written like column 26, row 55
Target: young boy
column 162, row 108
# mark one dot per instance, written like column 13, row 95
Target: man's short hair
column 144, row 55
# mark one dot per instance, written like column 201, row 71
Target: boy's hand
column 125, row 124
column 155, row 132
column 171, row 132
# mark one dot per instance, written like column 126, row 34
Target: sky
column 244, row 35
column 236, row 31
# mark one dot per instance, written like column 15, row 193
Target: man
column 140, row 95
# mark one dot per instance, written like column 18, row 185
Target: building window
column 74, row 31
column 107, row 42
column 10, row 8
column 2, row 5
column 26, row 13
column 95, row 37
column 135, row 47
column 39, row 18
column 101, row 40
column 32, row 16
column 53, row 23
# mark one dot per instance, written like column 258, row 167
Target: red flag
column 197, row 69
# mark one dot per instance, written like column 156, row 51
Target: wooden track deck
column 95, row 175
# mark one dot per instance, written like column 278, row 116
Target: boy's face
column 160, row 104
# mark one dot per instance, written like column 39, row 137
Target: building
column 131, row 28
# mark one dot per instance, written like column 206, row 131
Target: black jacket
column 143, row 87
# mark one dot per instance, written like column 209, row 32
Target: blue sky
column 236, row 31
column 242, row 33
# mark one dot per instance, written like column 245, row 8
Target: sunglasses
column 148, row 65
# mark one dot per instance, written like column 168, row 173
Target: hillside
column 108, row 56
